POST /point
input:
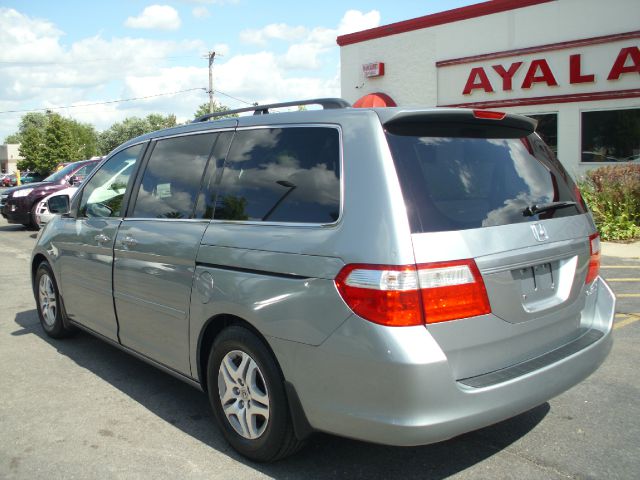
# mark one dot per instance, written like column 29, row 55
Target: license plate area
column 538, row 284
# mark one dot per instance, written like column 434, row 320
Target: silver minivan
column 394, row 275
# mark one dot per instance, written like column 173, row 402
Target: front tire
column 34, row 217
column 50, row 309
column 246, row 392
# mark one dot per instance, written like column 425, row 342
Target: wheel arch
column 208, row 334
column 35, row 263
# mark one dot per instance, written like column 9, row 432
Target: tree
column 204, row 109
column 84, row 140
column 13, row 138
column 132, row 127
column 31, row 149
column 47, row 139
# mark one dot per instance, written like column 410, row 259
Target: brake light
column 489, row 114
column 594, row 259
column 412, row 295
column 452, row 290
column 383, row 294
column 578, row 196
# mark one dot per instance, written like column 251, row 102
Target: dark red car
column 9, row 181
column 18, row 204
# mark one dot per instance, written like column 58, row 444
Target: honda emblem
column 539, row 232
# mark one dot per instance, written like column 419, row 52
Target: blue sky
column 72, row 53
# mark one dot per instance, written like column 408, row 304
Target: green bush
column 613, row 195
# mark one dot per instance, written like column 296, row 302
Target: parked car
column 10, row 180
column 43, row 215
column 394, row 275
column 20, row 203
column 30, row 177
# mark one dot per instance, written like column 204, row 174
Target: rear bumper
column 394, row 385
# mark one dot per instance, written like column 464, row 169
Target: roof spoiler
column 459, row 123
column 325, row 103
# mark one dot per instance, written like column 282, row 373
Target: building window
column 548, row 129
column 611, row 136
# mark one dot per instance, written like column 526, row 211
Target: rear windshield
column 458, row 183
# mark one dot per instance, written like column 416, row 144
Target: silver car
column 395, row 275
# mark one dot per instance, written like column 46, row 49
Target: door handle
column 101, row 238
column 129, row 241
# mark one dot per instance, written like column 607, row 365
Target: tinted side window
column 82, row 173
column 172, row 177
column 287, row 174
column 104, row 193
column 459, row 183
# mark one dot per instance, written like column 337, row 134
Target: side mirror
column 58, row 204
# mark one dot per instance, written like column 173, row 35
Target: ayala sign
column 539, row 71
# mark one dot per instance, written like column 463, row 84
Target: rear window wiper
column 532, row 210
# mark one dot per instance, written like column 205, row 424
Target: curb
column 621, row 250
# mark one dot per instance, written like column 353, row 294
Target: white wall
column 410, row 57
column 9, row 156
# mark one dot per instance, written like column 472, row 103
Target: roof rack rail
column 325, row 103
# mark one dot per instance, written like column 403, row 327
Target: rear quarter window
column 288, row 174
column 458, row 183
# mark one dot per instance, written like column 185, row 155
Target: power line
column 234, row 98
column 95, row 60
column 105, row 103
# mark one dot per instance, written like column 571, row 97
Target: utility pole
column 211, row 55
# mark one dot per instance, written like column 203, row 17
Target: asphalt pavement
column 79, row 408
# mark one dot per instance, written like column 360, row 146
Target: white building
column 572, row 64
column 9, row 156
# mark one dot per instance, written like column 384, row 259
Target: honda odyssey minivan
column 394, row 275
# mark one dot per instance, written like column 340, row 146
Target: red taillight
column 382, row 294
column 406, row 295
column 489, row 114
column 452, row 290
column 594, row 259
column 578, row 196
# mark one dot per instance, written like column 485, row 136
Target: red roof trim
column 567, row 98
column 541, row 48
column 449, row 16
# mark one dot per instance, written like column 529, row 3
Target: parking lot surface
column 79, row 408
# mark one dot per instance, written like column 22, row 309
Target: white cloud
column 307, row 46
column 212, row 2
column 161, row 17
column 302, row 56
column 355, row 21
column 201, row 12
column 47, row 72
column 274, row 31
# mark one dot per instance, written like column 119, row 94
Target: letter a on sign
column 545, row 74
column 477, row 79
column 619, row 67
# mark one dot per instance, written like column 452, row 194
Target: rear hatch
column 483, row 187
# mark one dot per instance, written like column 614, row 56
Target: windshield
column 457, row 183
column 61, row 174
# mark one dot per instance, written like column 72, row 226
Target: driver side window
column 105, row 191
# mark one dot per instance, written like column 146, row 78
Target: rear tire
column 49, row 303
column 246, row 391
